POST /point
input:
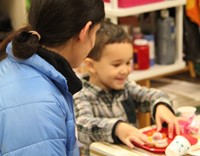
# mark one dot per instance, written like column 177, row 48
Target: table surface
column 107, row 149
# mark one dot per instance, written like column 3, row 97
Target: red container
column 141, row 54
column 130, row 3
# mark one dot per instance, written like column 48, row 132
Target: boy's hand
column 127, row 134
column 163, row 114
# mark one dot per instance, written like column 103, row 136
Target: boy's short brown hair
column 108, row 33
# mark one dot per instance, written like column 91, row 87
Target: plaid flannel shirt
column 98, row 110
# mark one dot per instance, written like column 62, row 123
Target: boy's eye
column 128, row 63
column 116, row 65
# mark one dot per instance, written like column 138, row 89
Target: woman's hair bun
column 25, row 44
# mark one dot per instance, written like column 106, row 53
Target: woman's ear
column 89, row 64
column 84, row 31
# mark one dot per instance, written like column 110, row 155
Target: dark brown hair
column 108, row 33
column 56, row 21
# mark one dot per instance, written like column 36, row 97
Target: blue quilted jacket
column 36, row 109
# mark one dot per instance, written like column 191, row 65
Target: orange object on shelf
column 193, row 10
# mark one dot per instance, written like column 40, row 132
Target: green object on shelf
column 198, row 110
column 197, row 68
column 28, row 3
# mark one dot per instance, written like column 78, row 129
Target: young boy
column 106, row 106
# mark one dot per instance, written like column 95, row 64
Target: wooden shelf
column 156, row 70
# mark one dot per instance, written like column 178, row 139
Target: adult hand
column 164, row 114
column 127, row 134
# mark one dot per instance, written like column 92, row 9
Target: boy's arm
column 160, row 106
column 149, row 98
column 89, row 127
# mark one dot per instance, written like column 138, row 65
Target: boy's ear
column 89, row 63
column 84, row 31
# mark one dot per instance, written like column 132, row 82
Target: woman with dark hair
column 36, row 77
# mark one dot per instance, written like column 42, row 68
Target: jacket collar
column 41, row 65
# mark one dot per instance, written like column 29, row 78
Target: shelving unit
column 16, row 9
column 157, row 70
column 113, row 12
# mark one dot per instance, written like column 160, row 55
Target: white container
column 187, row 112
column 178, row 147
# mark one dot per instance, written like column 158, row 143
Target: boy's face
column 112, row 69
